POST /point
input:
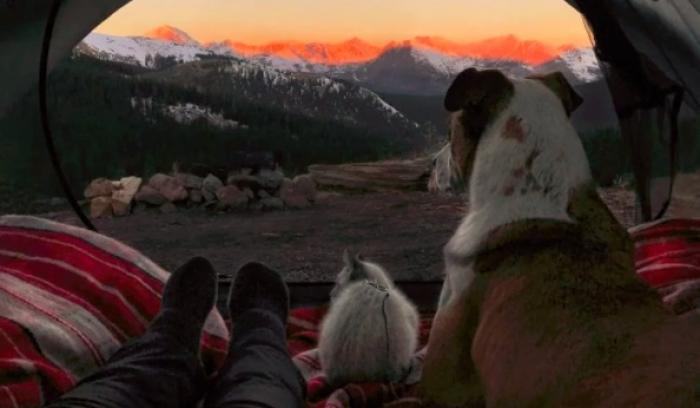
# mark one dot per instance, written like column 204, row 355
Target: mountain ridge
column 356, row 50
column 435, row 56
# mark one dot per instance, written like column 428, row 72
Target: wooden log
column 377, row 176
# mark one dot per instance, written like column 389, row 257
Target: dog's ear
column 480, row 96
column 474, row 89
column 558, row 84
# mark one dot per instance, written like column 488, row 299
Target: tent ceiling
column 21, row 31
column 667, row 32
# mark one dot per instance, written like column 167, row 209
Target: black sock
column 188, row 298
column 258, row 287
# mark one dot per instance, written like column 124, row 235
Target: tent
column 649, row 51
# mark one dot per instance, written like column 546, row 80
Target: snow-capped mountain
column 420, row 71
column 507, row 47
column 142, row 51
column 398, row 67
column 579, row 66
column 352, row 51
column 172, row 34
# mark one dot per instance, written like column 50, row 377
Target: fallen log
column 376, row 176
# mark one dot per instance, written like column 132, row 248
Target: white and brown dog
column 541, row 305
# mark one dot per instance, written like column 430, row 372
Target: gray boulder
column 230, row 197
column 306, row 186
column 150, row 195
column 212, row 184
column 123, row 197
column 291, row 196
column 101, row 207
column 271, row 180
column 196, row 196
column 243, row 181
column 208, row 196
column 100, row 187
column 190, row 181
column 170, row 187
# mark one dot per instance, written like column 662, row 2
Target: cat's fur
column 370, row 332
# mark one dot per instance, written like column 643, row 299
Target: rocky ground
column 403, row 231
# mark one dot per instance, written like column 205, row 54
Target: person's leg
column 161, row 368
column 258, row 371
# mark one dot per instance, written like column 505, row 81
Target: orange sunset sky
column 376, row 21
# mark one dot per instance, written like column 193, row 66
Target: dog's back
column 568, row 324
column 548, row 338
column 542, row 305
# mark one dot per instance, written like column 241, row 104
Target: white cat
column 370, row 332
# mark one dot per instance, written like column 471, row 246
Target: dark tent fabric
column 649, row 52
column 22, row 24
column 665, row 31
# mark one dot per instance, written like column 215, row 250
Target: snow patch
column 583, row 64
column 186, row 113
column 445, row 64
column 140, row 50
column 190, row 112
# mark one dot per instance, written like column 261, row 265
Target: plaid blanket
column 70, row 297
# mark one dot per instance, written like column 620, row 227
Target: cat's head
column 356, row 268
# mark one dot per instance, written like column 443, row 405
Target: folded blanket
column 70, row 297
column 667, row 252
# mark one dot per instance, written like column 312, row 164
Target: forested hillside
column 111, row 119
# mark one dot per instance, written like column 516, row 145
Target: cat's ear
column 357, row 270
column 347, row 258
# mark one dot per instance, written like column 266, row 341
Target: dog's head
column 355, row 268
column 476, row 99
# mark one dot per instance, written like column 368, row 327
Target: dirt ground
column 403, row 231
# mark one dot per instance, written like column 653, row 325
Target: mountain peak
column 171, row 34
column 512, row 47
column 505, row 47
column 354, row 50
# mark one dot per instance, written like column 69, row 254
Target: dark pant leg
column 152, row 371
column 259, row 371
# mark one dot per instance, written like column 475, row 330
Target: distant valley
column 412, row 73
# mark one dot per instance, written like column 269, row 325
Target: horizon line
column 348, row 39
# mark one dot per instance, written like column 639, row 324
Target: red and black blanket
column 70, row 297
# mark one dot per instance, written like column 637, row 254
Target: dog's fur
column 370, row 332
column 541, row 305
column 525, row 164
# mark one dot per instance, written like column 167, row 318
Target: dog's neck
column 527, row 163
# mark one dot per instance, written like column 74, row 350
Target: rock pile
column 109, row 198
column 263, row 190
